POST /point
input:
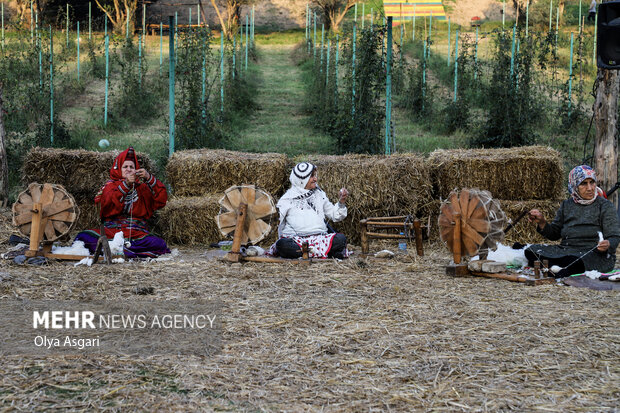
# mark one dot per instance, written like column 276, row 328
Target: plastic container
column 402, row 244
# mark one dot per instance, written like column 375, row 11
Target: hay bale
column 205, row 171
column 89, row 213
column 532, row 172
column 191, row 220
column 78, row 170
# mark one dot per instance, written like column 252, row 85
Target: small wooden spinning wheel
column 258, row 206
column 44, row 213
column 471, row 222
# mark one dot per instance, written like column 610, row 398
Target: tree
column 334, row 11
column 233, row 14
column 606, row 120
column 119, row 11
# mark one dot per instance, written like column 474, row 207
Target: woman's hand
column 130, row 178
column 537, row 217
column 343, row 194
column 603, row 246
column 144, row 174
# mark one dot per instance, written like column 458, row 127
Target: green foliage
column 512, row 103
column 198, row 124
column 139, row 96
column 418, row 96
column 96, row 60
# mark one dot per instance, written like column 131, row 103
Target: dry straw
column 532, row 172
column 189, row 220
column 204, row 171
column 378, row 185
column 80, row 172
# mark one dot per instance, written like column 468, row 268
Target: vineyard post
column 329, row 45
column 512, row 54
column 314, row 43
column 595, row 34
column 107, row 71
column 476, row 56
column 144, row 22
column 449, row 42
column 51, row 87
column 372, row 17
column 413, row 28
column 424, row 75
column 78, row 51
column 140, row 60
column 503, row 14
column 198, row 13
column 222, row 70
column 456, row 64
column 246, row 42
column 190, row 16
column 550, row 14
column 353, row 69
column 253, row 24
column 31, row 21
column 171, row 36
column 430, row 34
column 336, row 66
column 3, row 25
column 161, row 46
column 307, row 11
column 388, row 87
column 322, row 43
column 127, row 27
column 557, row 28
column 40, row 64
column 363, row 14
column 67, row 19
column 355, row 20
column 579, row 14
column 527, row 18
column 204, row 84
column 4, row 174
column 90, row 30
column 234, row 56
column 570, row 74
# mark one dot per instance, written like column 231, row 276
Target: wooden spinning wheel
column 471, row 222
column 56, row 208
column 259, row 206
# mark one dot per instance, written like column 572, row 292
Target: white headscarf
column 300, row 175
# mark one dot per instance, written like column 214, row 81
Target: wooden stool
column 370, row 226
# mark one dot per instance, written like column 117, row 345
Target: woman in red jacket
column 127, row 201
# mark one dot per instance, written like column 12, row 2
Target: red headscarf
column 127, row 155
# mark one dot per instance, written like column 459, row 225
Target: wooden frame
column 371, row 226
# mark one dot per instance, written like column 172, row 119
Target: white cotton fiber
column 600, row 236
column 77, row 248
column 116, row 245
column 506, row 254
column 86, row 261
column 593, row 274
column 556, row 269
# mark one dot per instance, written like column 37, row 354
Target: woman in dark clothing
column 587, row 225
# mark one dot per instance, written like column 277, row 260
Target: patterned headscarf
column 576, row 177
column 127, row 155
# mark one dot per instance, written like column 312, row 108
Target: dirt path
column 280, row 124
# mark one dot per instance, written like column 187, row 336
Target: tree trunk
column 4, row 167
column 606, row 121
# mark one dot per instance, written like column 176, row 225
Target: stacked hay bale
column 81, row 172
column 200, row 177
column 378, row 186
column 520, row 178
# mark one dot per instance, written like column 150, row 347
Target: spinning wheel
column 51, row 205
column 471, row 222
column 258, row 206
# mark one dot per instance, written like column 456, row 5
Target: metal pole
column 51, row 87
column 430, row 34
column 307, row 11
column 144, row 21
column 67, row 19
column 353, row 69
column 90, row 32
column 31, row 21
column 107, row 73
column 512, row 54
column 503, row 14
column 595, row 34
column 190, row 16
column 246, row 41
column 413, row 29
column 234, row 56
column 527, row 18
column 557, row 27
column 314, row 44
column 127, row 25
column 449, row 42
column 570, row 74
column 336, row 66
column 550, row 14
column 222, row 71
column 424, row 75
column 456, row 64
column 329, row 45
column 198, row 13
column 78, row 50
column 322, row 43
column 140, row 60
column 355, row 20
column 161, row 46
column 253, row 24
column 372, row 17
column 363, row 14
column 2, row 25
column 204, row 83
column 40, row 64
column 476, row 56
column 172, row 26
column 388, row 87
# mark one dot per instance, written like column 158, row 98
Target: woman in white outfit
column 303, row 209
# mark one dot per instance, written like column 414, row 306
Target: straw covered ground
column 205, row 171
column 531, row 172
column 357, row 335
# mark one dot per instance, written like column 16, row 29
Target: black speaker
column 608, row 38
